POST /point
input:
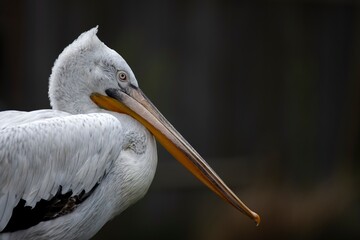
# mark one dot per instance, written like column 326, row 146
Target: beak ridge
column 137, row 105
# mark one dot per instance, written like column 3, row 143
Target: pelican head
column 88, row 75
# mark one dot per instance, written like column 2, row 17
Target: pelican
column 66, row 171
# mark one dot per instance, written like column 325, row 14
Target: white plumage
column 45, row 149
column 39, row 156
column 101, row 160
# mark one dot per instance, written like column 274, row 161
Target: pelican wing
column 13, row 118
column 43, row 150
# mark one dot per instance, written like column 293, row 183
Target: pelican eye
column 122, row 76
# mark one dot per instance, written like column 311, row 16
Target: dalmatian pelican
column 66, row 171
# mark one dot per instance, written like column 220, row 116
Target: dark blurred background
column 267, row 91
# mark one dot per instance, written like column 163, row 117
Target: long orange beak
column 134, row 103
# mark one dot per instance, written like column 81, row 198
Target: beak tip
column 256, row 218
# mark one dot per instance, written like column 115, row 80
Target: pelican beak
column 134, row 103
